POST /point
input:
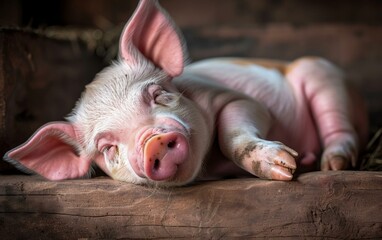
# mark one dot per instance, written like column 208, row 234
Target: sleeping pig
column 151, row 119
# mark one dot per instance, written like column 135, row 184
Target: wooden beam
column 317, row 205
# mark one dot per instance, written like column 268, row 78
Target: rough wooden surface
column 317, row 205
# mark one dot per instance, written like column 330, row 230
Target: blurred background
column 195, row 13
column 347, row 32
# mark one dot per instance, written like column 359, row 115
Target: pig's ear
column 151, row 34
column 53, row 152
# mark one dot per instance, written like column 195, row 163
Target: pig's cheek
column 189, row 170
column 119, row 165
column 186, row 172
column 100, row 160
column 108, row 159
column 136, row 165
column 110, row 153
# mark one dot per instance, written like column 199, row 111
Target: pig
column 153, row 118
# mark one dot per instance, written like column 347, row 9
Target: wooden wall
column 192, row 13
column 348, row 32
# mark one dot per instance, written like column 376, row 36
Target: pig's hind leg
column 325, row 92
column 241, row 126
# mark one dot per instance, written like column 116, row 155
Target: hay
column 372, row 159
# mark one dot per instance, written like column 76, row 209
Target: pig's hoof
column 334, row 163
column 269, row 160
column 339, row 156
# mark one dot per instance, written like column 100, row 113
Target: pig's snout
column 163, row 154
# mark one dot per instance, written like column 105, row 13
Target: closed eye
column 164, row 98
column 160, row 96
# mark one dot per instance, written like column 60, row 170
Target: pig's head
column 131, row 120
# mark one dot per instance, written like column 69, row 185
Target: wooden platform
column 317, row 205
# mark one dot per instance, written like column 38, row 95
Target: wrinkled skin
column 149, row 119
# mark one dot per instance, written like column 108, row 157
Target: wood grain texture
column 317, row 205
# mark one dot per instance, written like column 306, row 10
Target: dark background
column 347, row 32
column 192, row 13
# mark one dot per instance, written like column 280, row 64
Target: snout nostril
column 156, row 164
column 171, row 144
column 164, row 156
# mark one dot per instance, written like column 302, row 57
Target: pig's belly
column 293, row 124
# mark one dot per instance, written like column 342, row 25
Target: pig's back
column 265, row 82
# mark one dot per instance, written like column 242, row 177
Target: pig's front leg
column 242, row 124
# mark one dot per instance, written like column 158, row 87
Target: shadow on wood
column 341, row 205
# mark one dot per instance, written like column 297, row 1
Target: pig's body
column 148, row 119
column 284, row 100
column 280, row 88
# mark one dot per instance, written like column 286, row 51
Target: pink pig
column 149, row 119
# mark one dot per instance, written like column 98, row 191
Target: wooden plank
column 318, row 205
